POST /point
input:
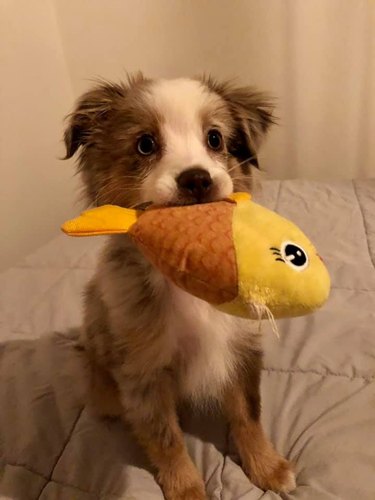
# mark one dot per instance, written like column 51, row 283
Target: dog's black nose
column 195, row 183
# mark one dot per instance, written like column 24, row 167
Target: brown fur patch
column 104, row 397
column 252, row 115
column 106, row 124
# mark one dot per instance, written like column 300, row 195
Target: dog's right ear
column 91, row 110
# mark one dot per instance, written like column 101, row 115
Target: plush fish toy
column 240, row 257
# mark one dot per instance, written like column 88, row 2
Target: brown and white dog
column 151, row 345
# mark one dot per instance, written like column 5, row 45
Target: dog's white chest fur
column 203, row 342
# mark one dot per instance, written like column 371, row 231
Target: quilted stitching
column 366, row 225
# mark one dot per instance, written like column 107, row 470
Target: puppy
column 151, row 345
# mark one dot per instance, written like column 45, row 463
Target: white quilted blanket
column 318, row 382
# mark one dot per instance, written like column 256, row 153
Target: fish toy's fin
column 108, row 219
column 239, row 197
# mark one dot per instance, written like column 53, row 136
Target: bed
column 318, row 383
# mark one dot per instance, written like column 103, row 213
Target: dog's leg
column 103, row 394
column 149, row 407
column 262, row 464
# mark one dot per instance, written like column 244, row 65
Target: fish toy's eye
column 294, row 255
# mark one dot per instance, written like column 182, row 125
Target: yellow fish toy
column 237, row 255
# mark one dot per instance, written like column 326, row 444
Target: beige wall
column 35, row 92
column 317, row 57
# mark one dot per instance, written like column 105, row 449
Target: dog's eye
column 215, row 140
column 146, row 145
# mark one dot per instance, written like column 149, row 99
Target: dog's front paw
column 272, row 472
column 182, row 483
column 194, row 492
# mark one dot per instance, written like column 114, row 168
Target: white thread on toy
column 271, row 319
column 263, row 312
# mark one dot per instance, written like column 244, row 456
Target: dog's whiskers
column 118, row 191
column 237, row 165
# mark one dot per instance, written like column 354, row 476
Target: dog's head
column 166, row 141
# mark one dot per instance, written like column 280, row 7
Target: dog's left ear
column 252, row 112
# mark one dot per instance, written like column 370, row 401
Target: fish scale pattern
column 192, row 246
